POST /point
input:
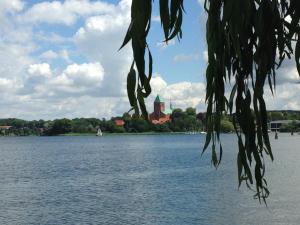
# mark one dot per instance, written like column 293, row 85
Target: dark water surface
column 139, row 180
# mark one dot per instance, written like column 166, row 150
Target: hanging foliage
column 247, row 40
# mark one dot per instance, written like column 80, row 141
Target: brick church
column 161, row 114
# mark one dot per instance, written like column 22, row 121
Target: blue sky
column 60, row 59
column 193, row 43
column 190, row 45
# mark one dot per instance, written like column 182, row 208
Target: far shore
column 104, row 134
column 125, row 133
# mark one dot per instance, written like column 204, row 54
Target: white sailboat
column 99, row 133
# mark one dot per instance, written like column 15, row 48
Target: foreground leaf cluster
column 247, row 41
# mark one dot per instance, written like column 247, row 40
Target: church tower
column 161, row 112
column 159, row 106
column 171, row 105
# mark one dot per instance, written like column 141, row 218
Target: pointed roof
column 168, row 111
column 158, row 99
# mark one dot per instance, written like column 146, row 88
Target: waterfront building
column 275, row 125
column 161, row 113
column 5, row 127
column 119, row 122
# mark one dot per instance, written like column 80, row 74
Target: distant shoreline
column 104, row 134
column 125, row 133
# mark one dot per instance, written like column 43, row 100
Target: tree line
column 181, row 121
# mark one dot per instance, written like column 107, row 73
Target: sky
column 60, row 59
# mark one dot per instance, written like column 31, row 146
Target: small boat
column 203, row 132
column 99, row 133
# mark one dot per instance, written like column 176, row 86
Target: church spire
column 158, row 99
column 171, row 105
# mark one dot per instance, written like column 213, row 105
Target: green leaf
column 214, row 157
column 207, row 141
column 228, row 6
column 177, row 27
column 128, row 36
column 142, row 103
column 240, row 168
column 297, row 55
column 165, row 16
column 150, row 64
column 131, row 85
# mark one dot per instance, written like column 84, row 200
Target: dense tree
column 226, row 126
column 162, row 127
column 284, row 115
column 247, row 41
column 126, row 116
column 275, row 116
column 290, row 127
column 177, row 113
column 201, row 116
column 110, row 126
column 61, row 126
column 191, row 111
column 139, row 125
column 185, row 121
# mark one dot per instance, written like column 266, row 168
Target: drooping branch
column 247, row 40
column 171, row 13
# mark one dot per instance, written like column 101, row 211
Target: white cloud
column 104, row 23
column 287, row 73
column 50, row 37
column 186, row 94
column 11, row 5
column 157, row 84
column 87, row 74
column 50, row 84
column 201, row 2
column 67, row 13
column 52, row 55
column 286, row 97
column 99, row 40
column 64, row 54
column 38, row 82
column 78, row 79
column 42, row 69
column 82, row 106
column 14, row 58
column 49, row 55
column 205, row 56
column 182, row 94
column 8, row 85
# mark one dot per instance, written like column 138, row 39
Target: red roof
column 161, row 120
column 5, row 127
column 119, row 122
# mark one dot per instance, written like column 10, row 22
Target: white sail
column 99, row 132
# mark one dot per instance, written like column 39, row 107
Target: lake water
column 159, row 180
